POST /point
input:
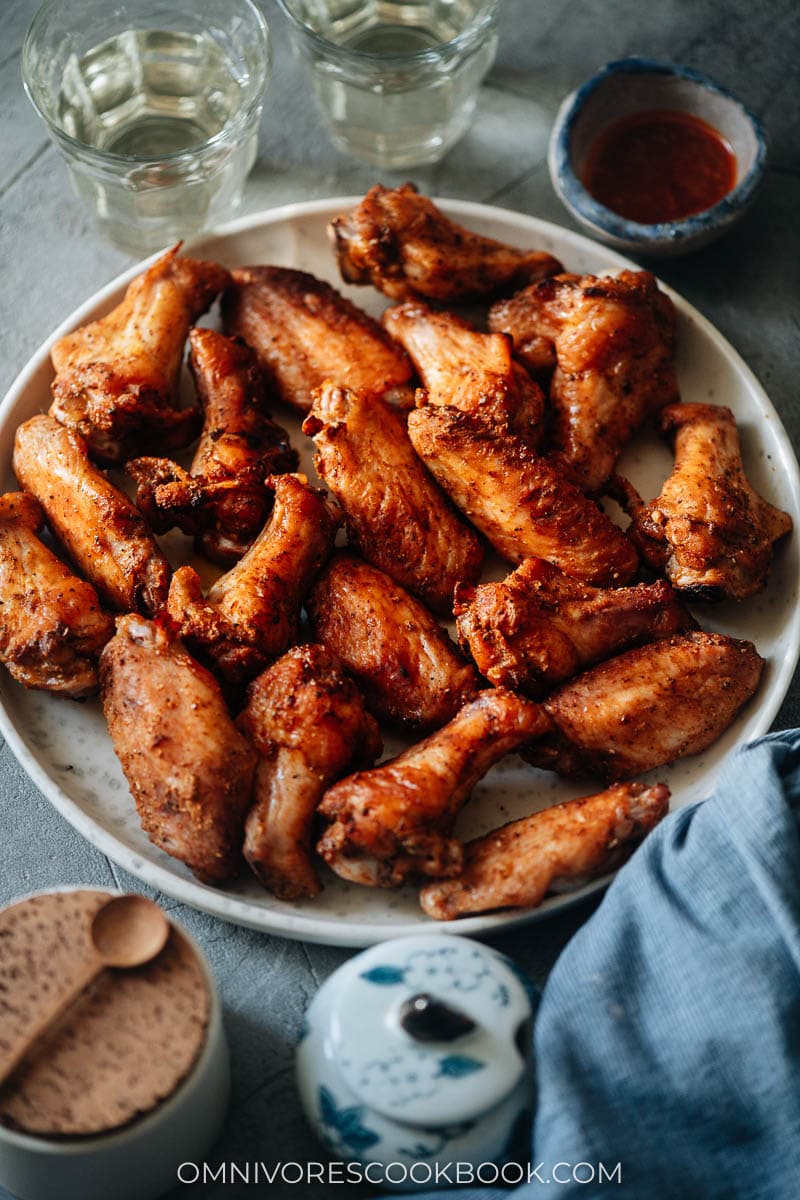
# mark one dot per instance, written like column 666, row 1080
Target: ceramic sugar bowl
column 415, row 1061
column 131, row 1077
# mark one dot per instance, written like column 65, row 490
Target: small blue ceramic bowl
column 637, row 85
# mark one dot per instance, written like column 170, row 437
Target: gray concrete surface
column 747, row 285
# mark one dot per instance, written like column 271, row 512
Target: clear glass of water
column 396, row 80
column 154, row 105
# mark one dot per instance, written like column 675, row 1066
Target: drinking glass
column 396, row 80
column 154, row 105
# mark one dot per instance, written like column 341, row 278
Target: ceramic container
column 139, row 1161
column 415, row 1055
column 637, row 85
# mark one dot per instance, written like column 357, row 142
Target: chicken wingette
column 304, row 333
column 538, row 627
column 117, row 378
column 105, row 536
column 223, row 498
column 189, row 768
column 556, row 850
column 396, row 516
column 612, row 339
column 52, row 627
column 400, row 242
column 403, row 661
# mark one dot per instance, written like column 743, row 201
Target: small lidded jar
column 128, row 1082
column 415, row 1056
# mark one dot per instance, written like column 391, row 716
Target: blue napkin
column 668, row 1037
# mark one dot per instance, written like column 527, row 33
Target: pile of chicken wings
column 246, row 714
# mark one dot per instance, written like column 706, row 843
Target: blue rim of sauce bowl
column 573, row 193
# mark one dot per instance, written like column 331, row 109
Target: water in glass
column 389, row 108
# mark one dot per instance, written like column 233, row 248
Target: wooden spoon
column 128, row 931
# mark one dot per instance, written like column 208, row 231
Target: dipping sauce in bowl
column 659, row 165
column 655, row 158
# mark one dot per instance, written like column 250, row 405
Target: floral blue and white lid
column 430, row 1030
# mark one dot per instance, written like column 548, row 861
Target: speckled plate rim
column 358, row 933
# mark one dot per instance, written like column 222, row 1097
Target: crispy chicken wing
column 394, row 821
column 709, row 530
column 520, row 502
column 404, row 662
column 117, row 378
column 252, row 613
column 649, row 706
column 401, row 243
column 106, row 538
column 396, row 516
column 539, row 627
column 189, row 769
column 223, row 498
column 466, row 369
column 613, row 339
column 556, row 850
column 307, row 721
column 52, row 628
column 304, row 332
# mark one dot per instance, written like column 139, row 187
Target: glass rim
column 429, row 55
column 173, row 156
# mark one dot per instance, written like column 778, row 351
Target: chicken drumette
column 521, row 503
column 396, row 516
column 404, row 662
column 304, row 333
column 401, row 243
column 556, row 850
column 189, row 769
column 539, row 627
column 395, row 821
column 117, row 378
column 307, row 721
column 612, row 341
column 649, row 706
column 52, row 628
column 223, row 498
column 104, row 535
column 252, row 613
column 469, row 370
column 709, row 529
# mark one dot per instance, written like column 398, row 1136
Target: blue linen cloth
column 668, row 1037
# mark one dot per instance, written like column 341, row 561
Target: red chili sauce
column 659, row 166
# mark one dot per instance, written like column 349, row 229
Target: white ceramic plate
column 66, row 750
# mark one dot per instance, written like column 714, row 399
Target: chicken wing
column 556, row 850
column 613, row 339
column 304, row 332
column 223, row 499
column 469, row 370
column 104, row 535
column 252, row 613
column 307, row 721
column 520, row 502
column 709, row 529
column 189, row 769
column 401, row 243
column 404, row 662
column 396, row 516
column 649, row 706
column 394, row 821
column 52, row 628
column 117, row 378
column 539, row 627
